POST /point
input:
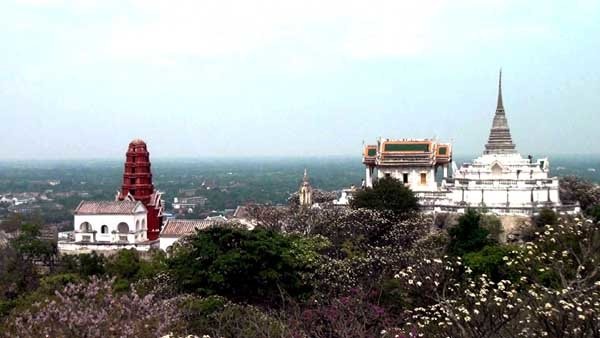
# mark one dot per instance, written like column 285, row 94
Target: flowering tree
column 574, row 189
column 94, row 310
column 555, row 292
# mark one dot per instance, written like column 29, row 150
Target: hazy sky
column 302, row 78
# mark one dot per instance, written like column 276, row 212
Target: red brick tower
column 137, row 185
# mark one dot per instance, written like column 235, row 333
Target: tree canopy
column 254, row 265
column 468, row 235
column 387, row 195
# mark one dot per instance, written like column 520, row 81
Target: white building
column 414, row 162
column 500, row 180
column 108, row 226
column 175, row 229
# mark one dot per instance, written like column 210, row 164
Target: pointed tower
column 137, row 185
column 500, row 141
column 305, row 191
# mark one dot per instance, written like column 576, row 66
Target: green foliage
column 252, row 265
column 546, row 217
column 52, row 283
column 125, row 264
column 594, row 212
column 31, row 247
column 491, row 260
column 393, row 295
column 493, row 225
column 468, row 235
column 387, row 195
column 217, row 317
column 151, row 266
column 85, row 265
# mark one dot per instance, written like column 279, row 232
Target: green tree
column 387, row 195
column 31, row 247
column 85, row 265
column 257, row 265
column 491, row 260
column 594, row 212
column 468, row 235
column 546, row 217
column 492, row 224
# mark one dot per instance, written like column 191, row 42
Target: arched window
column 123, row 228
column 104, row 229
column 137, row 225
column 143, row 224
column 85, row 227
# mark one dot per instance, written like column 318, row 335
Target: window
column 137, row 225
column 423, row 178
column 143, row 224
column 405, row 178
column 122, row 238
column 388, row 175
column 132, row 181
column 104, row 229
column 85, row 238
column 85, row 227
column 123, row 228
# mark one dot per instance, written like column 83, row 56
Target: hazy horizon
column 80, row 79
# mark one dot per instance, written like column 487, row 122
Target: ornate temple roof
column 500, row 141
column 407, row 152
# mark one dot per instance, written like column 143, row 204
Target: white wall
column 112, row 221
column 166, row 242
column 414, row 176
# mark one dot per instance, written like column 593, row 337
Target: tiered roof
column 500, row 140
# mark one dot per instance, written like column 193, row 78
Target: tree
column 94, row 310
column 468, row 235
column 387, row 195
column 491, row 261
column 31, row 247
column 546, row 217
column 595, row 213
column 574, row 189
column 256, row 265
column 85, row 265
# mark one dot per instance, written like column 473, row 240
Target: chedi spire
column 500, row 141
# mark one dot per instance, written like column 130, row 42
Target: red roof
column 184, row 227
column 107, row 207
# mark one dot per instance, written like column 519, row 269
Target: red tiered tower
column 137, row 185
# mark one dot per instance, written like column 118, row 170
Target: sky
column 261, row 78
